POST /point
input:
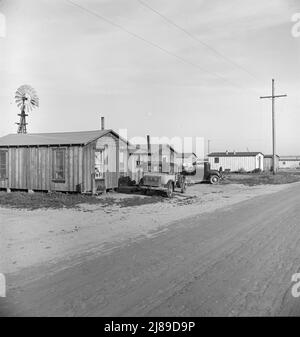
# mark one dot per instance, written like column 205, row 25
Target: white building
column 289, row 162
column 236, row 161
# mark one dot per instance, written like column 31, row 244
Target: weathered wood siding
column 4, row 179
column 113, row 168
column 111, row 172
column 31, row 168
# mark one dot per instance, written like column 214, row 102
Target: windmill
column 26, row 99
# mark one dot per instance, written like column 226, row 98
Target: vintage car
column 164, row 182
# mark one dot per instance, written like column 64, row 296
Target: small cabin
column 160, row 158
column 85, row 162
column 268, row 162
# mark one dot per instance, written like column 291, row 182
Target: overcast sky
column 148, row 76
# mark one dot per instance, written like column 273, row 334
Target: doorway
column 99, row 175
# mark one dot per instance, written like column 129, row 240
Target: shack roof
column 186, row 155
column 58, row 138
column 289, row 158
column 143, row 148
column 270, row 155
column 234, row 154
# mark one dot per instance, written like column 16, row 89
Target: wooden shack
column 152, row 158
column 86, row 162
column 268, row 162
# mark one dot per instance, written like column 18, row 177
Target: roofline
column 43, row 145
column 171, row 147
column 146, row 150
column 106, row 133
column 192, row 153
column 223, row 154
column 69, row 144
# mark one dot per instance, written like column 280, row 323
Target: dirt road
column 236, row 261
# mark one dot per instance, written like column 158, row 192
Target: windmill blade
column 19, row 92
column 18, row 97
column 28, row 96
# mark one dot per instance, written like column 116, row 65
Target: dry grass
column 24, row 200
column 253, row 179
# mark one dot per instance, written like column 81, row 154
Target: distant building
column 268, row 162
column 236, row 161
column 289, row 162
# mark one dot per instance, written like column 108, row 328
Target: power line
column 171, row 22
column 99, row 16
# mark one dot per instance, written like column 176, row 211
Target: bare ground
column 30, row 237
column 235, row 261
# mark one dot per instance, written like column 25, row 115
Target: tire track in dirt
column 235, row 261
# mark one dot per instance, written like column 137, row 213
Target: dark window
column 59, row 164
column 3, row 164
column 217, row 160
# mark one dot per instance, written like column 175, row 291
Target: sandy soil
column 29, row 238
column 235, row 261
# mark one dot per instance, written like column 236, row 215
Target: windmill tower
column 26, row 99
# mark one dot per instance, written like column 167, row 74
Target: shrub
column 241, row 170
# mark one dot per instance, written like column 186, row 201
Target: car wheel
column 214, row 179
column 183, row 187
column 170, row 189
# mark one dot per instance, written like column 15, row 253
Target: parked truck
column 204, row 173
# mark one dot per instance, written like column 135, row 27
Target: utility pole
column 273, row 122
column 208, row 146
